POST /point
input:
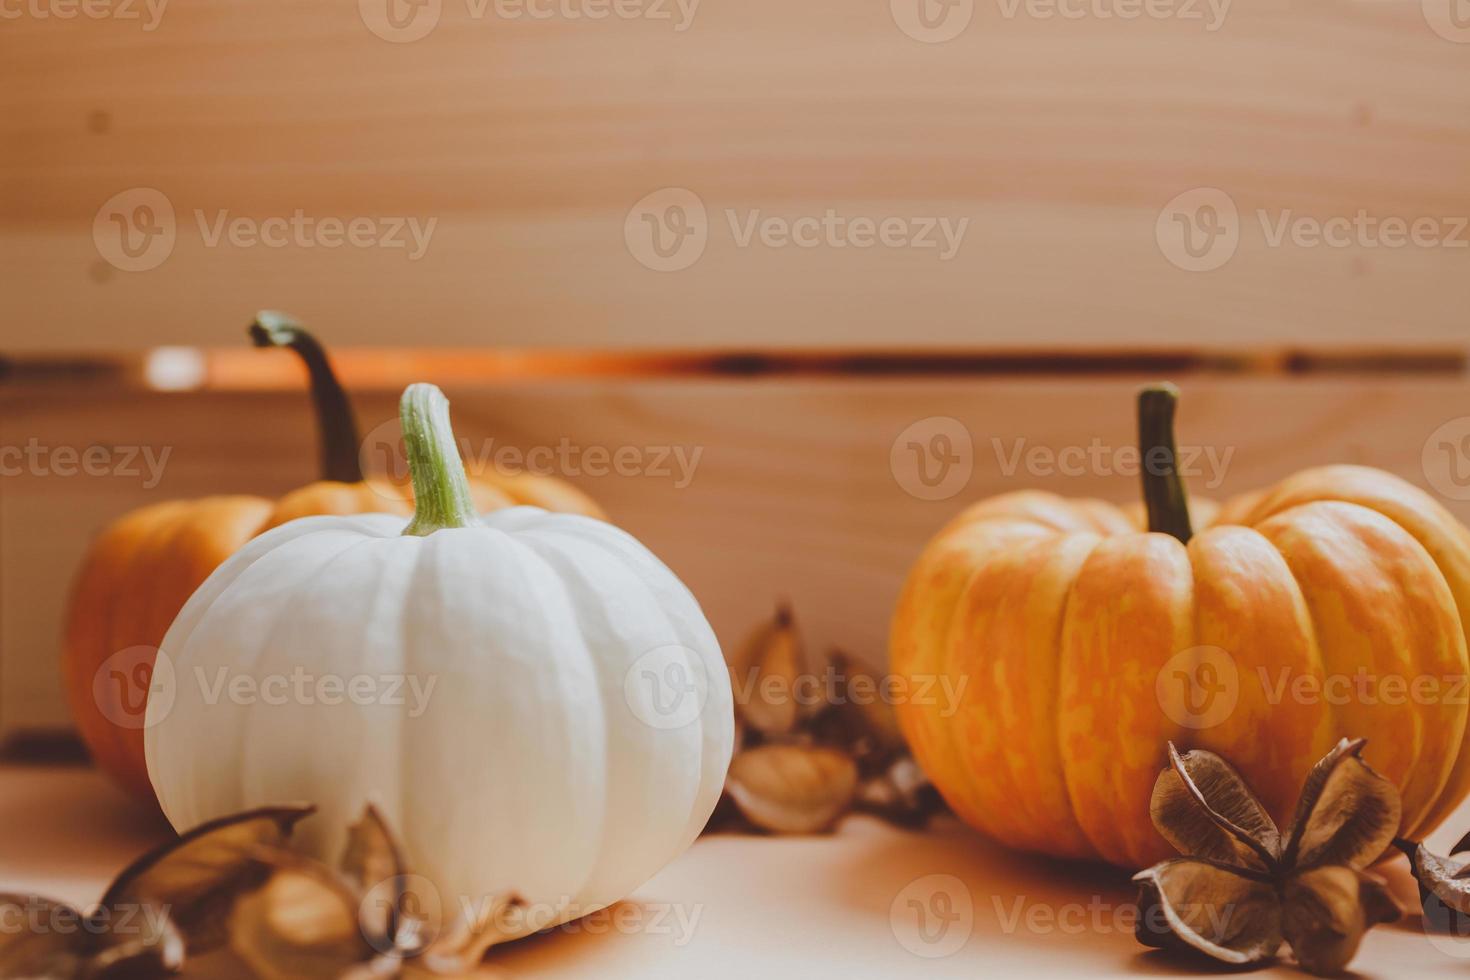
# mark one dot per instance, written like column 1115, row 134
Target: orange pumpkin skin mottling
column 134, row 580
column 1080, row 645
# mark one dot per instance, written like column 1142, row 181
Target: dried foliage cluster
column 233, row 898
column 816, row 738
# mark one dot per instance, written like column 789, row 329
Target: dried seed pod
column 1243, row 889
column 303, row 921
column 792, row 789
column 765, row 673
column 1444, row 886
column 199, row 877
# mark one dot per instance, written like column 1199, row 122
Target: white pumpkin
column 564, row 722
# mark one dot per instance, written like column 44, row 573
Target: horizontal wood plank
column 1061, row 141
column 794, row 492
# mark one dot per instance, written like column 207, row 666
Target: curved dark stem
column 1163, row 490
column 336, row 426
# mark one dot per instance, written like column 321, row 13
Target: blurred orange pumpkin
column 142, row 568
column 1077, row 644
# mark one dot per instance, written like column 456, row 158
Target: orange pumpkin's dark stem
column 336, row 427
column 1163, row 490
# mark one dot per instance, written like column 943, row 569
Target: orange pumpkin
column 141, row 569
column 1074, row 644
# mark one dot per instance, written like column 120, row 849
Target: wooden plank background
column 529, row 141
column 795, row 493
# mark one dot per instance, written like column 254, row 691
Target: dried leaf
column 157, row 952
column 1444, row 889
column 301, row 923
column 1327, row 910
column 901, row 795
column 1203, row 906
column 865, row 703
column 765, row 674
column 1204, row 809
column 199, row 876
column 373, row 862
column 792, row 789
column 461, row 950
column 1347, row 814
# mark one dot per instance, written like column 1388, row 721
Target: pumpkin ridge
column 262, row 644
column 1002, row 821
column 1346, row 530
column 1279, row 776
column 1397, row 501
column 920, row 625
column 558, row 566
column 1113, row 734
column 640, row 560
column 1059, row 757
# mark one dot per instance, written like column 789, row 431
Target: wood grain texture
column 795, row 492
column 529, row 141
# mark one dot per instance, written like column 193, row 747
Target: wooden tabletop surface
column 867, row 901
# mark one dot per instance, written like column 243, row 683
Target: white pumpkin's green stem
column 336, row 428
column 1163, row 490
column 441, row 492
